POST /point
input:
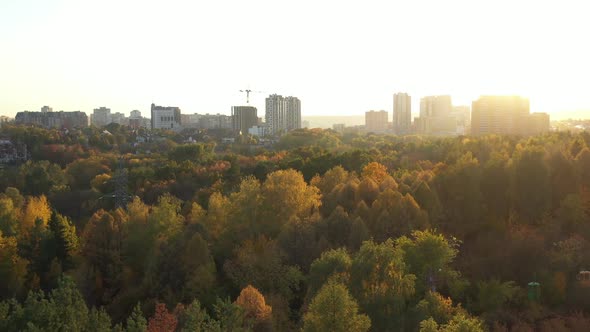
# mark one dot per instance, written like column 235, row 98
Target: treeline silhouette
column 325, row 232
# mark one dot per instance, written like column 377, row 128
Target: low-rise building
column 166, row 117
column 215, row 121
column 259, row 131
column 59, row 119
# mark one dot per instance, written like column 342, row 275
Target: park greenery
column 320, row 232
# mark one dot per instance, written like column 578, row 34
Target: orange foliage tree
column 162, row 320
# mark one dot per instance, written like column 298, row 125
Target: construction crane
column 247, row 91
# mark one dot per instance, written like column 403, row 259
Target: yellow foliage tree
column 254, row 305
column 217, row 215
column 285, row 195
column 375, row 171
column 37, row 208
column 137, row 211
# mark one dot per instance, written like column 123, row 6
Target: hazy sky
column 338, row 57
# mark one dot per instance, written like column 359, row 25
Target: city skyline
column 63, row 54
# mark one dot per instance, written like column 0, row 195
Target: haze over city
column 339, row 58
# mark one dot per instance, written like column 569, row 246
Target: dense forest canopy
column 137, row 230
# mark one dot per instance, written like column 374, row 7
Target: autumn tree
column 165, row 219
column 330, row 179
column 66, row 239
column 255, row 308
column 37, row 246
column 394, row 214
column 14, row 194
column 426, row 196
column 436, row 307
column 495, row 185
column 571, row 214
column 217, row 215
column 368, row 190
column 494, row 295
column 582, row 167
column 37, row 208
column 162, row 320
column 139, row 236
column 459, row 323
column 563, row 177
column 375, row 171
column 285, row 195
column 531, row 186
column 428, row 256
column 13, row 268
column 259, row 263
column 245, row 211
column 301, row 241
column 459, row 189
column 81, row 172
column 332, row 265
column 334, row 309
column 102, row 247
column 184, row 269
column 38, row 178
column 379, row 280
column 103, row 183
column 336, row 228
column 9, row 223
column 359, row 233
column 195, row 152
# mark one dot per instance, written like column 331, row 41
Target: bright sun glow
column 338, row 57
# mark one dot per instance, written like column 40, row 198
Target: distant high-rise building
column 293, row 113
column 244, row 118
column 135, row 119
column 436, row 116
column 135, row 114
column 462, row 115
column 376, row 121
column 499, row 115
column 166, row 117
column 402, row 113
column 101, row 117
column 537, row 123
column 436, row 106
column 119, row 118
column 59, row 119
column 46, row 109
column 339, row 127
column 282, row 114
